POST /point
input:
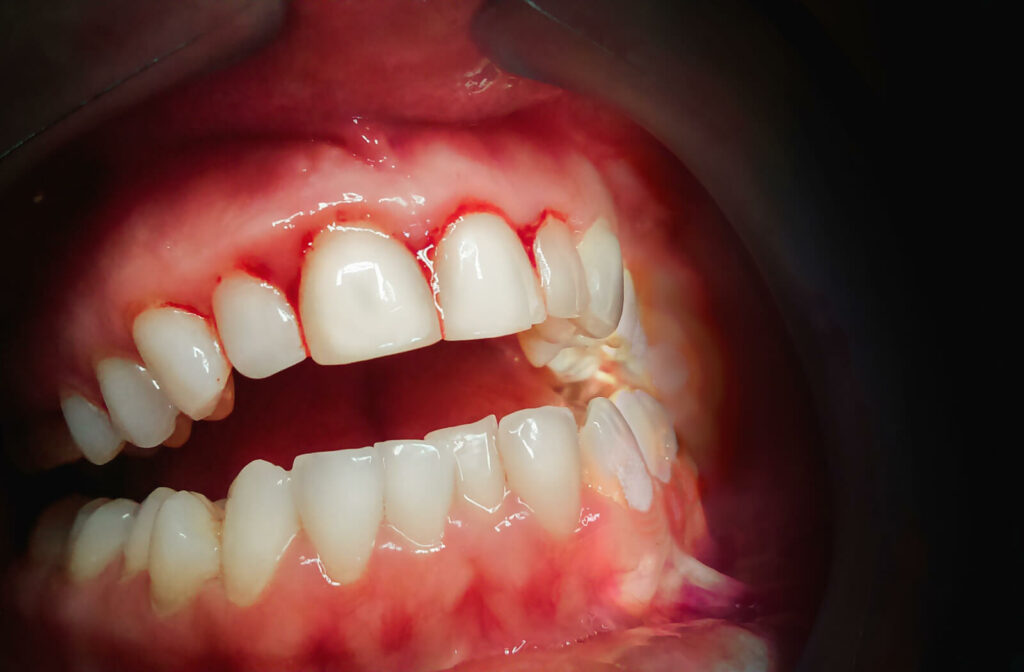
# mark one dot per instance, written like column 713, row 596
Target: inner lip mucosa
column 431, row 393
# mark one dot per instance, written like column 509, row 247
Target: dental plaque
column 395, row 393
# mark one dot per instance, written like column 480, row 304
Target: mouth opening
column 496, row 389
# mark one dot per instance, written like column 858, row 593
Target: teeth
column 481, row 480
column 573, row 365
column 537, row 350
column 101, row 538
column 419, row 479
column 136, row 547
column 259, row 522
column 652, row 428
column 182, row 352
column 555, row 330
column 91, row 429
column 184, row 551
column 340, row 499
column 363, row 295
column 539, row 450
column 49, row 541
column 138, row 407
column 611, row 458
column 486, row 284
column 81, row 517
column 602, row 261
column 561, row 271
column 257, row 325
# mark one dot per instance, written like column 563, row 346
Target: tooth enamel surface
column 602, row 262
column 419, row 479
column 101, row 539
column 183, row 354
column 81, row 517
column 652, row 428
column 573, row 365
column 537, row 350
column 540, row 452
column 260, row 521
column 555, row 330
column 363, row 296
column 136, row 546
column 482, row 273
column 257, row 325
column 139, row 409
column 561, row 271
column 612, row 462
column 91, row 429
column 479, row 475
column 340, row 499
column 184, row 550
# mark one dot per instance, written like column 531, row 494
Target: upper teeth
column 341, row 498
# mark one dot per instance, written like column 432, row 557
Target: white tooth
column 184, row 355
column 259, row 522
column 340, row 498
column 653, row 430
column 481, row 480
column 539, row 449
column 139, row 409
column 629, row 321
column 91, row 429
column 555, row 330
column 561, row 271
column 481, row 272
column 419, row 479
column 537, row 350
column 48, row 543
column 257, row 325
column 612, row 462
column 363, row 295
column 101, row 539
column 602, row 261
column 184, row 551
column 82, row 516
column 573, row 365
column 136, row 547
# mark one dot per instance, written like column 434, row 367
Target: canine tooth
column 101, row 539
column 481, row 480
column 91, row 429
column 138, row 406
column 539, row 450
column 363, row 295
column 481, row 272
column 259, row 522
column 419, row 479
column 653, row 430
column 48, row 543
column 257, row 325
column 136, row 546
column 561, row 271
column 340, row 499
column 538, row 351
column 612, row 462
column 184, row 550
column 602, row 262
column 629, row 321
column 184, row 355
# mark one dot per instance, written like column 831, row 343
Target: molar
column 561, row 272
column 340, row 499
column 260, row 522
column 602, row 262
column 481, row 480
column 363, row 295
column 136, row 546
column 486, row 284
column 91, row 429
column 101, row 538
column 138, row 406
column 419, row 479
column 257, row 325
column 540, row 452
column 612, row 462
column 653, row 430
column 184, row 550
column 184, row 355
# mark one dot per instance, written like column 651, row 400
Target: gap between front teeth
column 341, row 499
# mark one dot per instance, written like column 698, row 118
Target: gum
column 498, row 581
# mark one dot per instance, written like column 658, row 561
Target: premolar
column 138, row 406
column 184, row 355
column 91, row 429
column 136, row 547
column 101, row 538
column 184, row 549
column 602, row 262
column 257, row 325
